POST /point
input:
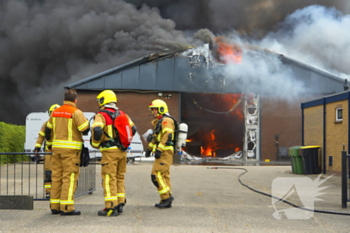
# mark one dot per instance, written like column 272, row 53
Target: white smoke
column 315, row 35
column 264, row 74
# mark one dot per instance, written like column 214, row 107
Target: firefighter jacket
column 102, row 132
column 163, row 135
column 41, row 138
column 65, row 127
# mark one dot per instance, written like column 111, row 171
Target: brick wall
column 134, row 104
column 313, row 126
column 282, row 118
column 336, row 134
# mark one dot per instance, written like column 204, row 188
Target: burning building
column 237, row 101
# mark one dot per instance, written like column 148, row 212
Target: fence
column 19, row 175
column 345, row 175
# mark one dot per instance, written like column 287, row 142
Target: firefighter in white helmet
column 162, row 146
column 47, row 158
column 114, row 157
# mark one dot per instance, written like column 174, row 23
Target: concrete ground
column 206, row 200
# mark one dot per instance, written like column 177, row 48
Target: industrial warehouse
column 231, row 111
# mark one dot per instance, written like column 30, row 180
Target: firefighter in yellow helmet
column 65, row 129
column 47, row 158
column 114, row 156
column 162, row 146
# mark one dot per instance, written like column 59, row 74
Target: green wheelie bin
column 297, row 161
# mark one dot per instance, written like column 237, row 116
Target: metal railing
column 19, row 175
column 345, row 178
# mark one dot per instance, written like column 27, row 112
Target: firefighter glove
column 35, row 159
column 157, row 154
column 148, row 153
column 36, row 149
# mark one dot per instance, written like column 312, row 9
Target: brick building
column 223, row 119
column 326, row 123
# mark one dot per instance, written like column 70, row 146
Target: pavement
column 208, row 198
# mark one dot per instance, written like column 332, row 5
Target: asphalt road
column 206, row 200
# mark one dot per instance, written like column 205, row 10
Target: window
column 338, row 114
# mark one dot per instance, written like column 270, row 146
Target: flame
column 210, row 147
column 230, row 100
column 228, row 52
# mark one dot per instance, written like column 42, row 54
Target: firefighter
column 64, row 129
column 47, row 149
column 114, row 156
column 162, row 146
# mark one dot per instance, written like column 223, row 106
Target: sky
column 45, row 45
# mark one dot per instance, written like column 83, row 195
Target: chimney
column 346, row 86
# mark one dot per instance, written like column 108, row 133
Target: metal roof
column 192, row 71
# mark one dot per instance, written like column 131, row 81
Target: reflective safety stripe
column 37, row 145
column 97, row 123
column 53, row 127
column 71, row 188
column 95, row 144
column 47, row 186
column 70, row 126
column 110, row 130
column 82, row 126
column 162, row 184
column 112, row 198
column 109, row 148
column 65, row 202
column 42, row 133
column 55, row 201
column 167, row 130
column 49, row 125
column 48, row 143
column 107, row 188
column 154, row 148
column 161, row 146
column 120, row 194
column 67, row 144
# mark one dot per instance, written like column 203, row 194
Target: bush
column 12, row 139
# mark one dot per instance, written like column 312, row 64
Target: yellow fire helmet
column 106, row 97
column 160, row 105
column 53, row 107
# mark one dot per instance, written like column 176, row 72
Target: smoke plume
column 46, row 45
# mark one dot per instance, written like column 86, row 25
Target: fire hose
column 270, row 195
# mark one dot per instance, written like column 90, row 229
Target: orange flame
column 209, row 148
column 228, row 52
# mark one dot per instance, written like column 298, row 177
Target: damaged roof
column 194, row 70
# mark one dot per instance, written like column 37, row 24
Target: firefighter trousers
column 65, row 165
column 113, row 170
column 161, row 174
column 47, row 172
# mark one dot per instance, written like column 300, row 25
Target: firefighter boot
column 74, row 212
column 120, row 208
column 108, row 212
column 165, row 203
column 54, row 212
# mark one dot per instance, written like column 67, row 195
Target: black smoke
column 251, row 17
column 45, row 45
